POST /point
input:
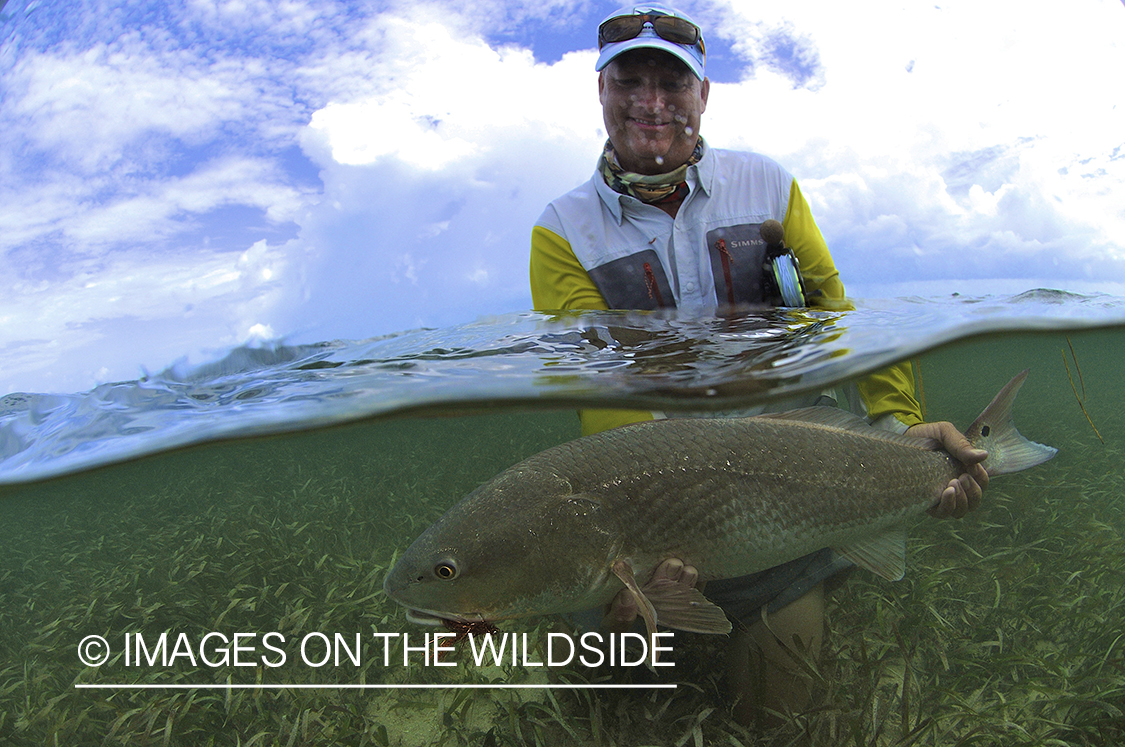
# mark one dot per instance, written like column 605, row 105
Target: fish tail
column 994, row 431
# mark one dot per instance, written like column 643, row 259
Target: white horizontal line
column 180, row 686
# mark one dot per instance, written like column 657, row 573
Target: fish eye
column 446, row 570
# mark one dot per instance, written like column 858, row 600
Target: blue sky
column 182, row 177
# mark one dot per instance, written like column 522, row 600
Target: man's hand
column 963, row 494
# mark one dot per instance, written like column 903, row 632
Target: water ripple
column 597, row 358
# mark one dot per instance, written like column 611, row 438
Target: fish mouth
column 426, row 617
column 418, row 617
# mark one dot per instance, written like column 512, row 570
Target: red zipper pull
column 726, row 259
column 653, row 288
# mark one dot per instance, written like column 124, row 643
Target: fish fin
column 884, row 554
column 830, row 416
column 834, row 417
column 624, row 571
column 994, row 431
column 685, row 608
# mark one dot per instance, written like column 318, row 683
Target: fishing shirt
column 594, row 248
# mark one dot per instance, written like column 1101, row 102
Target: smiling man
column 652, row 111
column 668, row 222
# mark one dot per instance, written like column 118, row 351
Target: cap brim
column 679, row 51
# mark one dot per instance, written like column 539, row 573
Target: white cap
column 691, row 55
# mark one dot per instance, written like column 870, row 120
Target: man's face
column 651, row 104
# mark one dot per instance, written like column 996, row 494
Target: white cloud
column 361, row 133
column 433, row 98
column 943, row 131
column 88, row 108
column 136, row 310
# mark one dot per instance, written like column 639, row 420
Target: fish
column 568, row 528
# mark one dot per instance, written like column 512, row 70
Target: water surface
column 645, row 360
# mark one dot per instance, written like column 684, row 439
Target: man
column 667, row 221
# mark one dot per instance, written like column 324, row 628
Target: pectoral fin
column 674, row 604
column 624, row 571
column 684, row 608
column 884, row 553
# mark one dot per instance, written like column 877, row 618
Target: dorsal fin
column 834, row 417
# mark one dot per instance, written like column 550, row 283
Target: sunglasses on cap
column 669, row 28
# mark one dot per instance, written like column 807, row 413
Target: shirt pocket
column 737, row 255
column 636, row 281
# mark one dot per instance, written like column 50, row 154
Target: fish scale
column 772, row 498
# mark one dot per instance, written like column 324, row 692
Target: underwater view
column 223, row 534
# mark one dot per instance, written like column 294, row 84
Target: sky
column 184, row 176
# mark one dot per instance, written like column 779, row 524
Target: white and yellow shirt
column 594, row 248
